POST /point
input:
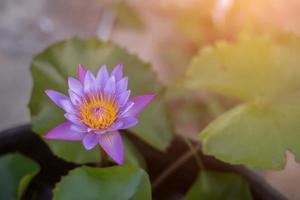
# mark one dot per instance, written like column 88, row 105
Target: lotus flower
column 97, row 107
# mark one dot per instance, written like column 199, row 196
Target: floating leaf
column 75, row 152
column 264, row 73
column 249, row 69
column 50, row 70
column 120, row 182
column 13, row 168
column 216, row 185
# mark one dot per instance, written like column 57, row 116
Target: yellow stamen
column 98, row 112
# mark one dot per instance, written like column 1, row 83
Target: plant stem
column 194, row 152
column 173, row 167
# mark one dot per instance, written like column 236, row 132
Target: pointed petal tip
column 90, row 141
column 140, row 102
column 51, row 136
column 152, row 95
column 48, row 92
column 89, row 82
column 63, row 132
column 81, row 71
column 102, row 77
column 110, row 86
column 149, row 97
column 56, row 97
column 47, row 136
column 117, row 71
column 76, row 85
column 70, row 80
column 103, row 68
column 88, row 147
column 113, row 146
column 120, row 161
column 103, row 65
column 120, row 66
column 81, row 66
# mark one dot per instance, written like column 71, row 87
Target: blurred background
column 165, row 33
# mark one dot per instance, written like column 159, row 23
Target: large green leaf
column 216, row 185
column 249, row 69
column 264, row 73
column 74, row 151
column 50, row 70
column 250, row 134
column 113, row 183
column 13, row 168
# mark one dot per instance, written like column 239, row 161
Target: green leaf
column 216, row 185
column 249, row 69
column 120, row 182
column 155, row 129
column 13, row 168
column 254, row 135
column 264, row 73
column 50, row 70
column 23, row 185
column 74, row 151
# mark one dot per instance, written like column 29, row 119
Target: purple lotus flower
column 97, row 107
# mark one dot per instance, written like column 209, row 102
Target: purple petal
column 81, row 73
column 117, row 72
column 75, row 86
column 56, row 97
column 123, row 98
column 129, row 122
column 78, row 128
column 122, row 85
column 90, row 141
column 113, row 146
column 126, row 109
column 64, row 132
column 110, row 86
column 67, row 106
column 75, row 99
column 100, row 132
column 89, row 83
column 74, row 119
column 91, row 129
column 102, row 77
column 140, row 102
column 116, row 126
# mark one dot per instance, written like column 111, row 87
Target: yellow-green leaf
column 112, row 183
column 252, row 68
column 14, row 169
column 262, row 72
column 216, row 185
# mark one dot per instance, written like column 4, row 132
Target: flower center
column 98, row 112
